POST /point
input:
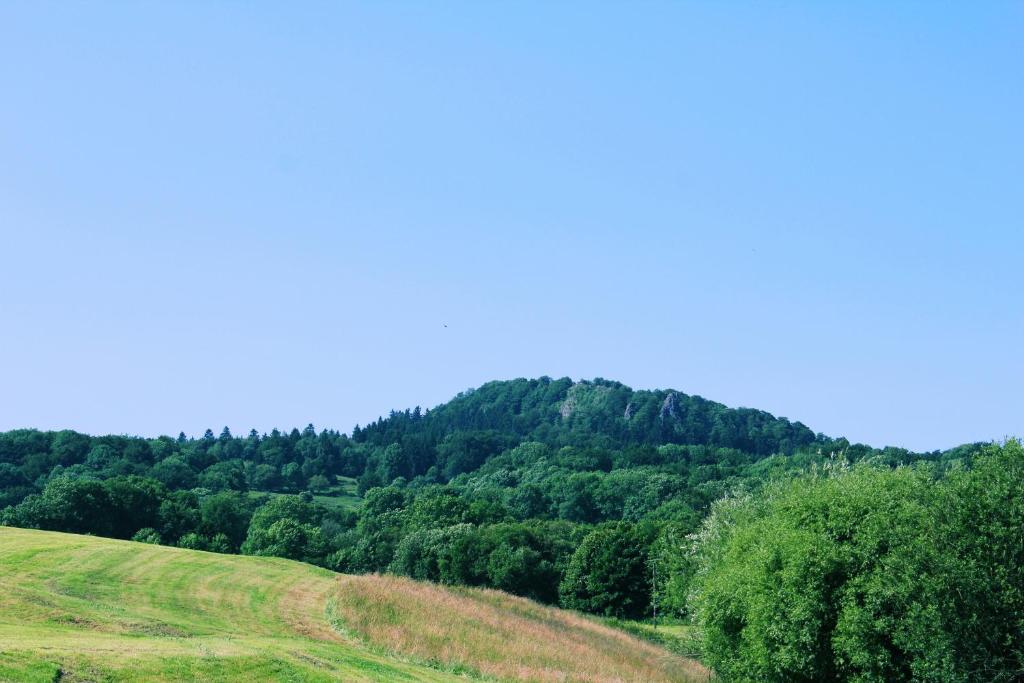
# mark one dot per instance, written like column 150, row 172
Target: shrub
column 868, row 574
column 147, row 535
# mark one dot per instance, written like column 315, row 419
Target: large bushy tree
column 869, row 574
column 608, row 573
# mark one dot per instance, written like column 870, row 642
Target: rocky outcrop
column 569, row 404
column 668, row 406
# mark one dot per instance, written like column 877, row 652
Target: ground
column 79, row 608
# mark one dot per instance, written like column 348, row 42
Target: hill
column 561, row 411
column 83, row 608
column 521, row 485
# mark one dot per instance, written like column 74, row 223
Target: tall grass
column 497, row 635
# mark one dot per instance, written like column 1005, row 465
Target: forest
column 795, row 556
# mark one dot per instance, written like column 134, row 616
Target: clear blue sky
column 258, row 215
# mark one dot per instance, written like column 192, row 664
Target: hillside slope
column 504, row 636
column 84, row 608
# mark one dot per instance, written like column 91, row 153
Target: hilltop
column 79, row 608
column 561, row 411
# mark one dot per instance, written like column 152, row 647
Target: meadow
column 81, row 608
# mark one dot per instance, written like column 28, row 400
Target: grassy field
column 341, row 496
column 78, row 608
column 497, row 634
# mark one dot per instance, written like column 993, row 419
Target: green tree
column 222, row 476
column 287, row 526
column 835, row 576
column 175, row 473
column 608, row 573
column 134, row 503
column 80, row 506
column 224, row 517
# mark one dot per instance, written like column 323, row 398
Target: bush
column 147, row 535
column 192, row 541
column 868, row 574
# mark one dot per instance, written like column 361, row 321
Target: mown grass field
column 78, row 608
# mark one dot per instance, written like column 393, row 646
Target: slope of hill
column 84, row 608
column 504, row 636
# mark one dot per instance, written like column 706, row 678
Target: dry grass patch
column 497, row 635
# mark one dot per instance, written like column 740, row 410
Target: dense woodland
column 797, row 556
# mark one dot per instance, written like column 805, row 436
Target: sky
column 270, row 214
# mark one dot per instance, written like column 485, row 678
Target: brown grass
column 498, row 635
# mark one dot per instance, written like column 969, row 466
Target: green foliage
column 498, row 487
column 442, row 555
column 286, row 538
column 147, row 535
column 980, row 518
column 134, row 503
column 868, row 574
column 224, row 517
column 287, row 526
column 193, row 541
column 465, row 451
column 608, row 573
column 227, row 475
column 175, row 473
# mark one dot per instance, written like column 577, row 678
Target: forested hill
column 555, row 490
column 560, row 412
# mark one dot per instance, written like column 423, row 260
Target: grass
column 341, row 496
column 497, row 635
column 79, row 608
column 675, row 636
column 100, row 609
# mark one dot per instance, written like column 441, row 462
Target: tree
column 441, row 555
column 520, row 570
column 224, row 517
column 79, row 506
column 175, row 473
column 263, row 478
column 14, row 485
column 193, row 541
column 395, row 462
column 287, row 527
column 291, row 475
column 178, row 515
column 319, row 482
column 979, row 520
column 840, row 576
column 134, row 504
column 222, row 476
column 466, row 451
column 608, row 573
